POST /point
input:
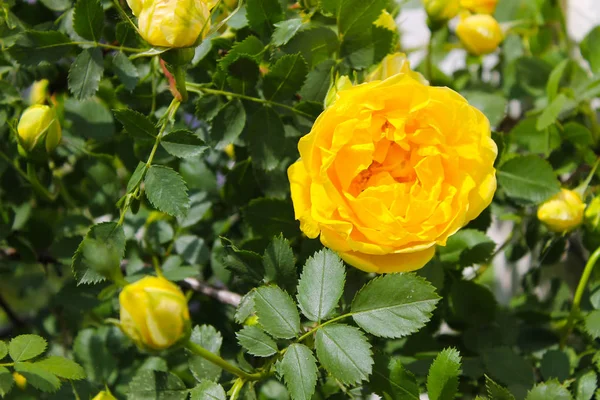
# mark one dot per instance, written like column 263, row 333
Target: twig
column 223, row 295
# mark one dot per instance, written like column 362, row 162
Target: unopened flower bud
column 38, row 128
column 104, row 395
column 480, row 33
column 441, row 10
column 394, row 64
column 20, row 380
column 341, row 83
column 563, row 212
column 38, row 92
column 479, row 6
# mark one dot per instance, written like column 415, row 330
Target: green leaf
column 317, row 82
column 528, row 178
column 62, row 367
column 88, row 19
column 365, row 47
column 321, row 285
column 57, row 5
column 394, row 305
column 586, row 386
column 246, row 264
column 271, row 217
column 285, row 30
column 3, row 349
column 344, row 352
column 91, row 352
column 299, row 370
column 497, row 392
column 551, row 113
column 442, row 381
column 505, row 366
column 592, row 324
column 85, row 73
column 527, row 135
column 136, row 177
column 266, row 134
column 100, row 253
column 125, row 71
column 166, row 190
column 156, row 385
column 38, row 377
column 589, row 46
column 472, row 303
column 208, row 390
column 555, row 78
column 256, row 342
column 285, row 78
column 354, row 14
column 493, row 105
column 555, row 364
column 315, row 44
column 6, row 381
column 277, row 312
column 135, row 123
column 25, row 347
column 549, row 391
column 211, row 339
column 250, row 47
column 467, row 247
column 280, row 264
column 577, row 134
column 183, row 143
column 35, row 47
column 228, row 124
column 263, row 14
column 391, row 380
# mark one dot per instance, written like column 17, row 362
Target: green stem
column 108, row 46
column 236, row 389
column 215, row 359
column 583, row 281
column 37, row 186
column 7, row 364
column 14, row 166
column 124, row 15
column 193, row 87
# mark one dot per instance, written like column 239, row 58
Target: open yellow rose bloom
column 390, row 170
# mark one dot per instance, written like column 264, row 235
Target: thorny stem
column 217, row 360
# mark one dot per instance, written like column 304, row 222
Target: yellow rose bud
column 341, row 83
column 441, row 10
column 172, row 23
column 230, row 151
column 480, row 33
column 39, row 125
column 104, row 395
column 20, row 380
column 393, row 64
column 154, row 313
column 479, row 6
column 386, row 21
column 391, row 170
column 38, row 92
column 563, row 212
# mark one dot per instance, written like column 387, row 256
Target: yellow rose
column 441, row 10
column 38, row 126
column 563, row 212
column 479, row 33
column 392, row 169
column 20, row 380
column 479, row 6
column 154, row 312
column 172, row 23
column 393, row 64
column 38, row 92
column 104, row 395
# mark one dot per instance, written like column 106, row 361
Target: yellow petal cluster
column 154, row 312
column 441, row 10
column 480, row 33
column 390, row 170
column 563, row 212
column 479, row 6
column 172, row 23
column 104, row 395
column 39, row 127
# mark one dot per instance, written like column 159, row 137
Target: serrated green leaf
column 156, row 385
column 246, row 264
column 555, row 79
column 285, row 78
column 442, row 381
column 256, row 342
column 208, row 390
column 99, row 254
column 166, row 190
column 589, row 46
column 365, row 47
column 211, row 339
column 135, row 123
column 280, row 264
column 592, row 323
column 551, row 113
column 25, row 347
column 245, row 309
column 507, row 367
column 3, row 349
column 549, row 391
column 38, row 377
column 354, row 14
column 57, row 5
column 250, row 47
column 6, row 381
column 136, row 177
column 183, row 143
column 577, row 134
column 34, row 47
column 62, row 367
column 285, row 30
column 270, row 217
column 315, row 44
column 394, row 305
column 228, row 124
column 528, row 178
column 277, row 312
column 391, row 380
column 125, row 71
column 88, row 19
column 471, row 303
column 497, row 392
column 317, row 82
column 266, row 134
column 91, row 352
column 344, row 352
column 299, row 370
column 555, row 364
column 263, row 14
column 85, row 73
column 467, row 247
column 321, row 285
column 586, row 386
column 493, row 105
